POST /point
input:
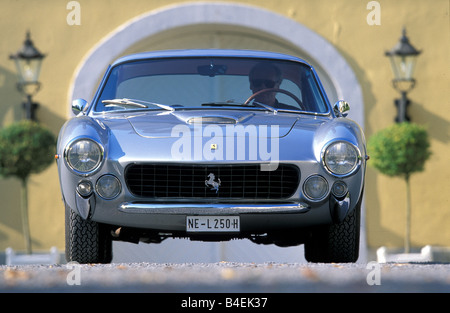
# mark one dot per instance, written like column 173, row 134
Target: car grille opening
column 195, row 181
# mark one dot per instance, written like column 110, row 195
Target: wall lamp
column 28, row 62
column 403, row 57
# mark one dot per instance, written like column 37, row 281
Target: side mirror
column 78, row 106
column 340, row 108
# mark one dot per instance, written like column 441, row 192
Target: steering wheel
column 290, row 94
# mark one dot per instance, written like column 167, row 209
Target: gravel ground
column 225, row 277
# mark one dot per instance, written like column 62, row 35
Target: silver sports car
column 211, row 145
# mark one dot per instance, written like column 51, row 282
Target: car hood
column 217, row 135
column 219, row 122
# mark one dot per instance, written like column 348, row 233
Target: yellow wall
column 342, row 22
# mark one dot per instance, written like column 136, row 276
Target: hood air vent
column 211, row 120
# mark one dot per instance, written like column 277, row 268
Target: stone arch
column 331, row 65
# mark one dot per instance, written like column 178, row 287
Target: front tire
column 86, row 241
column 337, row 243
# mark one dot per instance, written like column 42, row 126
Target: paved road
column 224, row 277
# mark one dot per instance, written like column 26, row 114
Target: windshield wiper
column 268, row 107
column 133, row 103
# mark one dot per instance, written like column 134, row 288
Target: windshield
column 205, row 83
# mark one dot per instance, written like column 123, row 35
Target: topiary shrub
column 26, row 148
column 400, row 150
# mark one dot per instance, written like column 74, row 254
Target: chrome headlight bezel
column 355, row 160
column 96, row 148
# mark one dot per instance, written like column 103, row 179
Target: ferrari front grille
column 230, row 181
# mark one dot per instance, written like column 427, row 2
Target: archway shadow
column 10, row 109
column 50, row 119
column 438, row 130
column 11, row 99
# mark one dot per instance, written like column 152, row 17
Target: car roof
column 208, row 53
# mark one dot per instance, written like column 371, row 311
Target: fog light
column 108, row 187
column 339, row 189
column 84, row 188
column 315, row 187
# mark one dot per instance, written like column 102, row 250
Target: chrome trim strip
column 212, row 208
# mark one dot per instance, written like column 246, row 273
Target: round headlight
column 341, row 158
column 108, row 187
column 84, row 156
column 315, row 187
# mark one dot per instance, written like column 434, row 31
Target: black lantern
column 403, row 59
column 28, row 62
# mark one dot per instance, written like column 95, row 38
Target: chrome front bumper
column 212, row 209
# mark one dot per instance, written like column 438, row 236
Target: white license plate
column 213, row 224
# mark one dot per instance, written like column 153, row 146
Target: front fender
column 343, row 129
column 339, row 129
column 78, row 127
